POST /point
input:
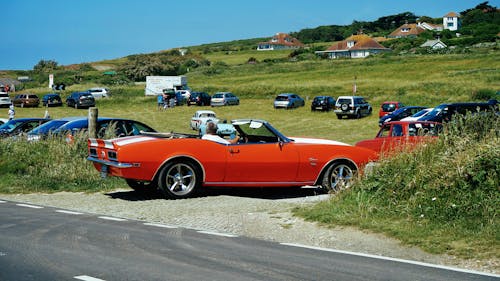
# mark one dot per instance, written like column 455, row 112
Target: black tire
column 344, row 107
column 358, row 114
column 339, row 116
column 141, row 186
column 338, row 176
column 179, row 179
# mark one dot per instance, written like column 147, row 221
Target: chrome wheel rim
column 341, row 177
column 180, row 179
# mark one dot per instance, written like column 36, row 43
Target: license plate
column 319, row 107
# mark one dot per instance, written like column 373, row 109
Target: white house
column 280, row 41
column 451, row 21
column 434, row 44
column 355, row 46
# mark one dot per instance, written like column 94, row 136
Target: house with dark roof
column 280, row 41
column 355, row 46
column 410, row 30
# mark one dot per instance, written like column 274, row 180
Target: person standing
column 12, row 112
column 159, row 100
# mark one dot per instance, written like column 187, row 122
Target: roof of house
column 432, row 43
column 412, row 29
column 283, row 39
column 361, row 42
column 451, row 15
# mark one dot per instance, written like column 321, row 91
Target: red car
column 181, row 164
column 394, row 136
column 388, row 107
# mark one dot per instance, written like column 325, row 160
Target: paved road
column 43, row 243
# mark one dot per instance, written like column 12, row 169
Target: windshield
column 47, row 127
column 420, row 113
column 388, row 107
column 218, row 96
column 436, row 111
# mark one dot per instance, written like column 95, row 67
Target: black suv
column 323, row 103
column 80, row 99
column 444, row 112
column 352, row 106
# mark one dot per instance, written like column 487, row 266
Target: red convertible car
column 181, row 164
column 397, row 135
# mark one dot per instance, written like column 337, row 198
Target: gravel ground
column 258, row 214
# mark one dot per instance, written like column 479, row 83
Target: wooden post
column 93, row 114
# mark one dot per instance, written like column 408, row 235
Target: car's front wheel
column 339, row 176
column 179, row 179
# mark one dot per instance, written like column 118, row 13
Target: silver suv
column 352, row 106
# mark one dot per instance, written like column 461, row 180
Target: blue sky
column 76, row 31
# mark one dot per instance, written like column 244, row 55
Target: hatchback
column 51, row 99
column 99, row 92
column 323, row 103
column 388, row 107
column 224, row 98
column 288, row 100
column 199, row 98
column 5, row 100
column 80, row 99
column 26, row 100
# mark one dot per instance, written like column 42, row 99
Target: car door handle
column 235, row 150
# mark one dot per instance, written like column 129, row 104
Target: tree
column 45, row 66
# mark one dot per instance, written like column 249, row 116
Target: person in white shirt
column 212, row 135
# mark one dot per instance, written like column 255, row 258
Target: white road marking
column 69, row 212
column 29, row 206
column 392, row 259
column 3, row 201
column 217, row 233
column 87, row 278
column 160, row 225
column 112, row 218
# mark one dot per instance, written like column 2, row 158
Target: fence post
column 93, row 113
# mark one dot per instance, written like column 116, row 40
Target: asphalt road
column 43, row 243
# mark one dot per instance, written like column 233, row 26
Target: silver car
column 5, row 99
column 224, row 98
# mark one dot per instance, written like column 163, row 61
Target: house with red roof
column 410, row 30
column 355, row 46
column 451, row 21
column 280, row 41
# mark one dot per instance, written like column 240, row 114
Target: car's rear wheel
column 339, row 116
column 358, row 114
column 338, row 176
column 179, row 179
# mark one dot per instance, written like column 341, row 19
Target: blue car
column 73, row 125
column 399, row 114
column 20, row 125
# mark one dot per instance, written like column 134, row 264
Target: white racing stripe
column 87, row 278
column 317, row 141
column 391, row 259
column 29, row 206
column 3, row 201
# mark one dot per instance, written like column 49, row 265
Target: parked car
column 288, row 100
column 389, row 107
column 201, row 117
column 352, row 106
column 20, row 125
column 80, row 100
column 73, row 125
column 399, row 114
column 51, row 99
column 99, row 92
column 444, row 112
column 224, row 98
column 199, row 98
column 185, row 93
column 26, row 100
column 418, row 115
column 5, row 100
column 398, row 135
column 181, row 164
column 323, row 103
